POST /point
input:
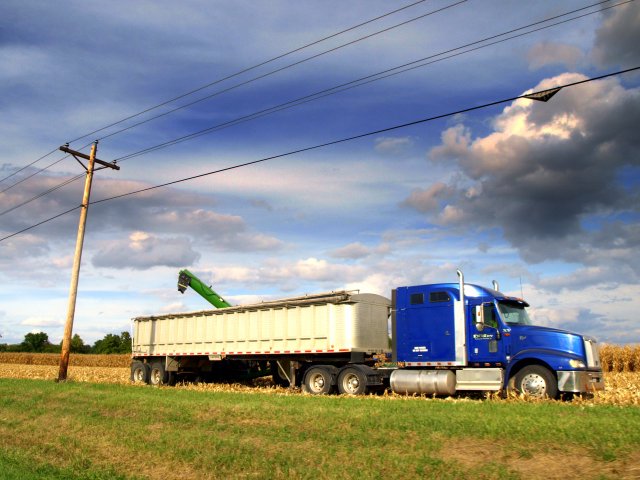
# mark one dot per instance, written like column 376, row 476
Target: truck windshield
column 514, row 313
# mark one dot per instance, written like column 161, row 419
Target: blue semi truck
column 455, row 336
column 445, row 338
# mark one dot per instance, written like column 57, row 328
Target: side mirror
column 479, row 317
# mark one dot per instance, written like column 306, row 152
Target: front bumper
column 580, row 381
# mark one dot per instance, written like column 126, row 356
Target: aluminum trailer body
column 332, row 329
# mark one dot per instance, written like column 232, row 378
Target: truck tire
column 352, row 381
column 318, row 381
column 139, row 372
column 158, row 375
column 536, row 381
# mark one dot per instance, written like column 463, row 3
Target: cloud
column 25, row 245
column 393, row 145
column 164, row 211
column 545, row 170
column 429, row 199
column 617, row 40
column 288, row 275
column 352, row 251
column 143, row 250
column 42, row 322
column 550, row 53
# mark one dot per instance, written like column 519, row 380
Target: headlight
column 577, row 364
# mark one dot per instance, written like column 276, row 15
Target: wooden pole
column 75, row 275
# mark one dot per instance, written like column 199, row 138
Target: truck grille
column 593, row 356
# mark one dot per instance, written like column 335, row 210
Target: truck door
column 426, row 330
column 486, row 346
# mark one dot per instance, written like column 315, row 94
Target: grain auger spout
column 188, row 279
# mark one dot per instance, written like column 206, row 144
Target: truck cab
column 488, row 341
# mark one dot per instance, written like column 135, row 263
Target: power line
column 352, row 84
column 40, row 170
column 27, row 166
column 278, row 70
column 363, row 135
column 34, row 174
column 369, row 79
column 203, row 87
column 538, row 94
column 42, row 194
column 245, row 70
column 41, row 223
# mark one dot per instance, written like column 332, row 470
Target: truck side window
column 490, row 315
column 417, row 298
column 435, row 297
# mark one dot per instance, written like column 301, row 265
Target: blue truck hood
column 524, row 337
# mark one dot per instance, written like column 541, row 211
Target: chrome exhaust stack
column 461, row 286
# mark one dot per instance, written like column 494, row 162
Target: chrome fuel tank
column 428, row 382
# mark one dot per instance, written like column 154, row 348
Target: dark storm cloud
column 544, row 170
column 617, row 40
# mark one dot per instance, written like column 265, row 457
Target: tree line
column 39, row 343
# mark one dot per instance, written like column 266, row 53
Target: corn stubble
column 621, row 364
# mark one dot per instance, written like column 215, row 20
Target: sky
column 542, row 197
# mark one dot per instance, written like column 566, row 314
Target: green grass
column 96, row 431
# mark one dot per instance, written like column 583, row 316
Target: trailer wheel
column 352, row 381
column 139, row 372
column 318, row 381
column 536, row 382
column 158, row 375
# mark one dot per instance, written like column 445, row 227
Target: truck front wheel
column 536, row 382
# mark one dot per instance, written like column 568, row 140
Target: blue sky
column 542, row 197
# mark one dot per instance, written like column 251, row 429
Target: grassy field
column 99, row 426
column 81, row 430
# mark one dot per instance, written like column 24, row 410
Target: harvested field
column 79, row 360
column 622, row 388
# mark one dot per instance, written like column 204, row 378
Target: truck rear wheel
column 536, row 381
column 318, row 381
column 352, row 381
column 139, row 372
column 158, row 375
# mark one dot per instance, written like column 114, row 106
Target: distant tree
column 3, row 347
column 35, row 342
column 53, row 348
column 112, row 343
column 125, row 342
column 78, row 346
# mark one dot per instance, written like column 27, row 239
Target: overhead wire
column 41, row 169
column 278, row 70
column 330, row 143
column 369, row 79
column 27, row 166
column 349, row 85
column 42, row 194
column 248, row 69
column 210, row 84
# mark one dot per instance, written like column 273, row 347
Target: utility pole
column 73, row 293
